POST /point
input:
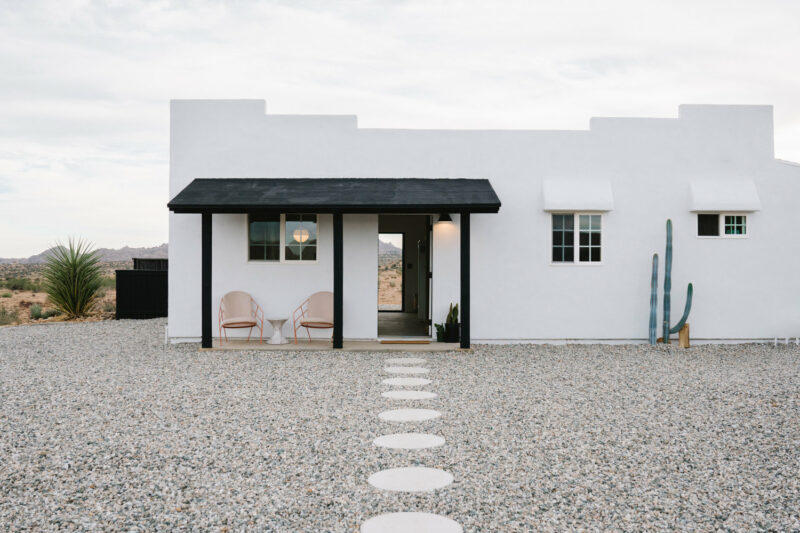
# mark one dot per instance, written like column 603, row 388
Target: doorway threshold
column 404, row 340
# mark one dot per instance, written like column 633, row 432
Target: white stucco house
column 552, row 235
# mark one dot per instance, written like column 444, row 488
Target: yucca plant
column 72, row 277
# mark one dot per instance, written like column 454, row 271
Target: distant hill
column 387, row 248
column 125, row 253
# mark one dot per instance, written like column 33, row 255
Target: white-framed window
column 721, row 225
column 586, row 248
column 282, row 238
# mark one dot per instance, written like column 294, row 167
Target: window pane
column 595, row 239
column 562, row 221
column 256, row 253
column 311, row 228
column 558, row 238
column 265, row 229
column 584, row 254
column 272, row 253
column 595, row 254
column 272, row 232
column 708, row 225
column 569, row 238
column 309, row 253
column 569, row 255
column 294, row 232
column 585, row 221
column 583, row 239
column 292, row 253
column 595, row 221
column 558, row 254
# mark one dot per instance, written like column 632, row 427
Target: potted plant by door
column 452, row 328
column 439, row 332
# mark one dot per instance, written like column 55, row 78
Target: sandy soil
column 22, row 301
column 390, row 284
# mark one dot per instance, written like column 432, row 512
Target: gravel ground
column 102, row 427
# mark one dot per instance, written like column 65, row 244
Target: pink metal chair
column 238, row 309
column 316, row 312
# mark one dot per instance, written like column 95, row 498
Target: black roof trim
column 336, row 195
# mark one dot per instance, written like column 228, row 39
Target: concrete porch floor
column 325, row 345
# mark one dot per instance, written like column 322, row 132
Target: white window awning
column 577, row 195
column 725, row 196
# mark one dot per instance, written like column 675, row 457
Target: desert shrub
column 37, row 312
column 108, row 282
column 6, row 295
column 109, row 307
column 8, row 316
column 72, row 277
column 20, row 284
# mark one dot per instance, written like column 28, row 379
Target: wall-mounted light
column 445, row 219
column 301, row 235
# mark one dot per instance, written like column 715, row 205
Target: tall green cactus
column 666, row 331
column 654, row 301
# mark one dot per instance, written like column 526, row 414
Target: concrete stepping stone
column 406, row 382
column 408, row 441
column 409, row 395
column 409, row 415
column 413, row 522
column 406, row 370
column 410, row 479
column 405, row 361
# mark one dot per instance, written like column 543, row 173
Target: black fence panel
column 141, row 293
column 150, row 263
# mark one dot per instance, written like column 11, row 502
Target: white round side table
column 277, row 325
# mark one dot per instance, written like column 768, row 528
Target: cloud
column 5, row 185
column 84, row 126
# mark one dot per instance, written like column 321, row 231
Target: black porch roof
column 336, row 195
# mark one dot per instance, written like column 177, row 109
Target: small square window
column 735, row 225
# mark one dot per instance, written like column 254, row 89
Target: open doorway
column 403, row 275
column 390, row 272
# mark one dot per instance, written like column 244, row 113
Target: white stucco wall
column 744, row 288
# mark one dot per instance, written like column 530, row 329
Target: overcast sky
column 85, row 86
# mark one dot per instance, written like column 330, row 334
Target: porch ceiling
column 336, row 195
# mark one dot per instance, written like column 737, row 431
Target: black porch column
column 338, row 275
column 465, row 279
column 205, row 298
